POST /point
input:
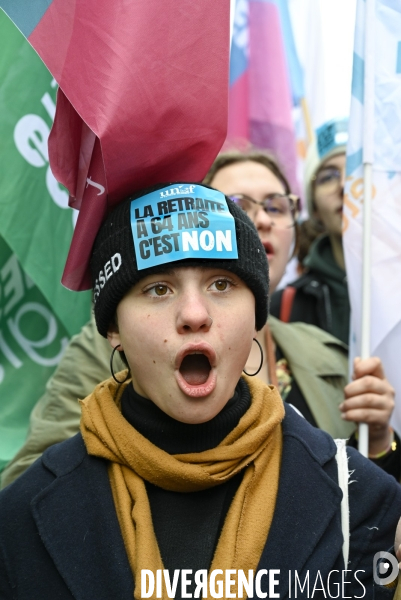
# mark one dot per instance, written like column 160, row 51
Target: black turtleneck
column 187, row 525
column 175, row 437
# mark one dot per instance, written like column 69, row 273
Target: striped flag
column 260, row 100
column 142, row 99
column 295, row 70
column 382, row 140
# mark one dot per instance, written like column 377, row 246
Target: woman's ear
column 113, row 335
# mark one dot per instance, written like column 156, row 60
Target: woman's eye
column 221, row 285
column 158, row 290
column 327, row 176
column 274, row 210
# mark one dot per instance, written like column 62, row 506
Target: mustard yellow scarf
column 254, row 445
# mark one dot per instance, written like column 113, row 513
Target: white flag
column 385, row 336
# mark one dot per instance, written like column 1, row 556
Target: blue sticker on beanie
column 182, row 221
column 331, row 135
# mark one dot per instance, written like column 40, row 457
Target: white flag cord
column 368, row 155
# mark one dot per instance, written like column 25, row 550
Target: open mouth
column 195, row 368
column 268, row 248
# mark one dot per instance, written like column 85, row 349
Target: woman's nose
column 262, row 220
column 193, row 314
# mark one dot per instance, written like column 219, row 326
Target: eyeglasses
column 282, row 208
column 329, row 180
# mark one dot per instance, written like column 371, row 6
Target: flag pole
column 368, row 157
column 310, row 134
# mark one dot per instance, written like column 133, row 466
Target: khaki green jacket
column 56, row 416
column 317, row 361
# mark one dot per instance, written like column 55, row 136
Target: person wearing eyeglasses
column 320, row 295
column 256, row 182
column 308, row 364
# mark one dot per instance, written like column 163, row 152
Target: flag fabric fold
column 143, row 98
column 295, row 71
column 260, row 98
column 385, row 317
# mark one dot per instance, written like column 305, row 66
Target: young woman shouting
column 182, row 464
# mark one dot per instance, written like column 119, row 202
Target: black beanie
column 114, row 267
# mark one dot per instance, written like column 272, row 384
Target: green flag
column 32, row 340
column 37, row 315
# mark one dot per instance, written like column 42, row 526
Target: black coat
column 60, row 538
column 321, row 293
column 311, row 304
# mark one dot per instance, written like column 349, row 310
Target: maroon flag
column 142, row 99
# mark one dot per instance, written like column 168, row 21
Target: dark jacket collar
column 320, row 260
column 175, row 437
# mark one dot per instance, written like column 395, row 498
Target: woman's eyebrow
column 163, row 272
